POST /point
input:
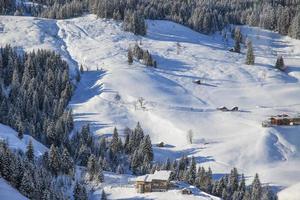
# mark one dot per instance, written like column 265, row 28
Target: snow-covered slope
column 174, row 104
column 11, row 136
column 8, row 192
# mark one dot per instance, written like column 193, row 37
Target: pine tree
column 250, row 55
column 130, row 57
column 224, row 194
column 27, row 186
column 146, row 148
column 30, row 151
column 66, row 162
column 81, row 69
column 91, row 167
column 79, row 192
column 294, row 30
column 237, row 46
column 135, row 162
column 103, row 195
column 100, row 175
column 280, row 63
column 256, row 189
column 102, row 146
column 54, row 162
column 192, row 172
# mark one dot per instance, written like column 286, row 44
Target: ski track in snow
column 174, row 104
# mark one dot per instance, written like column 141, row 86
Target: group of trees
column 232, row 186
column 28, row 174
column 70, row 9
column 134, row 153
column 250, row 57
column 140, row 54
column 208, row 16
column 35, row 90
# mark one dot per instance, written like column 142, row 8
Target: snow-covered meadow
column 173, row 103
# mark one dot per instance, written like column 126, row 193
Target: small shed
column 157, row 182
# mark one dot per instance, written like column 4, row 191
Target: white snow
column 158, row 175
column 174, row 104
column 7, row 192
column 290, row 193
column 11, row 136
column 121, row 187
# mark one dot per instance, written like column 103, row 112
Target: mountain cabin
column 157, row 182
column 282, row 120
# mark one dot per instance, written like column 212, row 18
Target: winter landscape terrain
column 172, row 103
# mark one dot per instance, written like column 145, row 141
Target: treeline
column 34, row 93
column 70, row 9
column 209, row 16
column 205, row 16
column 232, row 186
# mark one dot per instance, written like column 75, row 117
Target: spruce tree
column 103, row 195
column 130, row 57
column 79, row 192
column 67, row 164
column 250, row 55
column 100, row 175
column 91, row 167
column 146, row 148
column 27, row 185
column 192, row 172
column 256, row 188
column 280, row 63
column 54, row 161
column 237, row 46
column 30, row 151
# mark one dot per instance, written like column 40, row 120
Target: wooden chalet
column 157, row 182
column 282, row 120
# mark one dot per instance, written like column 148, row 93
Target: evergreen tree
column 66, row 162
column 130, row 57
column 91, row 167
column 30, row 151
column 192, row 172
column 103, row 195
column 280, row 63
column 250, row 55
column 237, row 46
column 79, row 192
column 100, row 175
column 81, row 69
column 146, row 148
column 54, row 161
column 256, row 189
column 27, row 186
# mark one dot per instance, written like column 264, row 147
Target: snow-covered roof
column 163, row 175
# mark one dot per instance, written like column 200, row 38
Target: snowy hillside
column 174, row 104
column 11, row 136
column 8, row 192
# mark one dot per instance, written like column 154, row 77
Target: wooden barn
column 282, row 120
column 157, row 182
